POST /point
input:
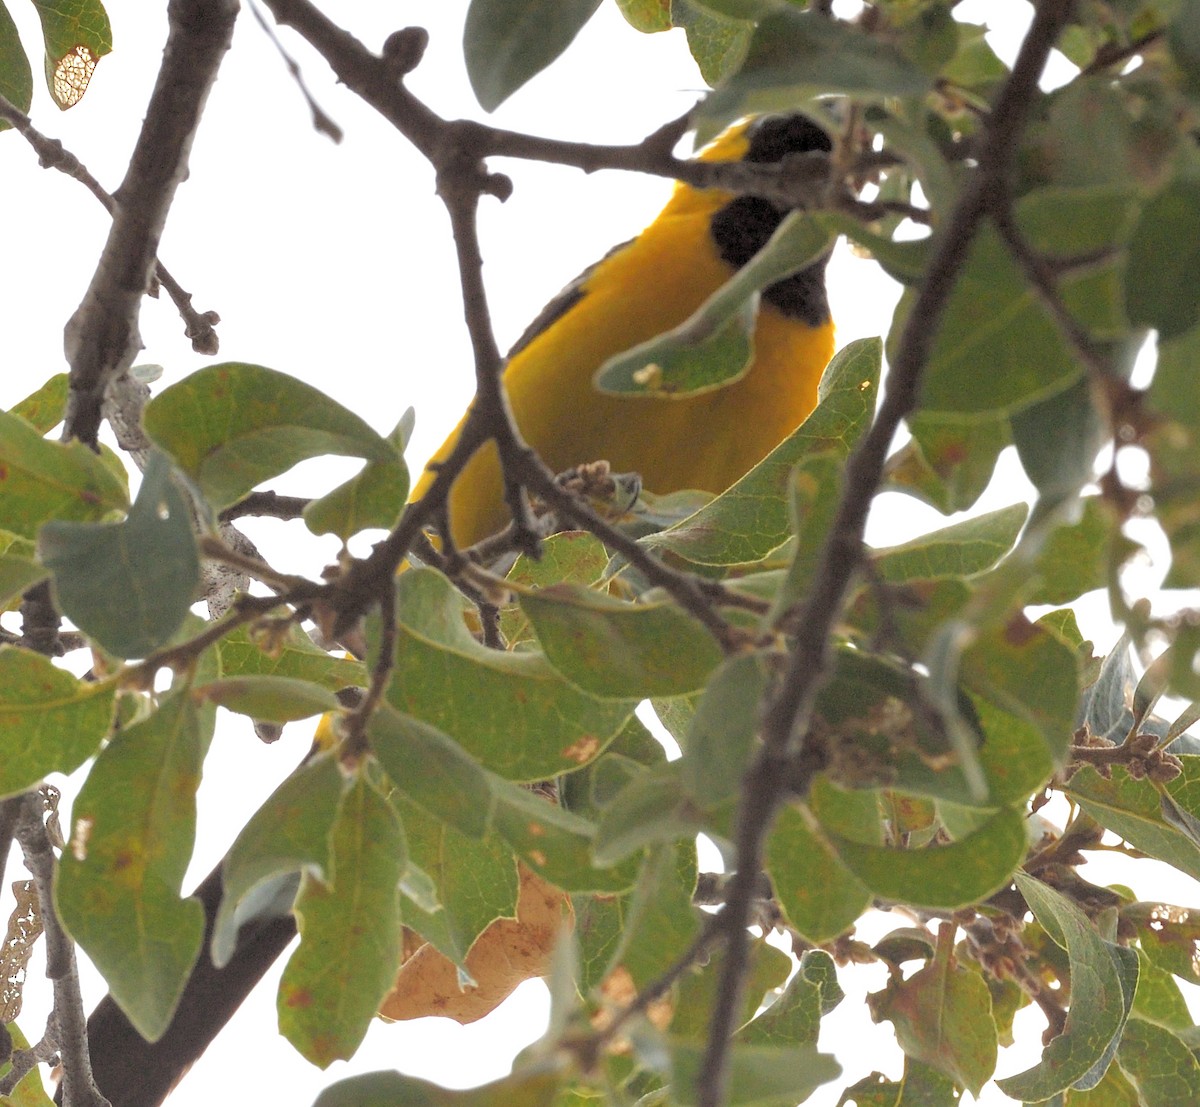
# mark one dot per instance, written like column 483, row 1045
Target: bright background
column 334, row 263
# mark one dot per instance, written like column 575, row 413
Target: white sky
column 334, row 263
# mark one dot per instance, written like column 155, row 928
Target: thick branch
column 102, row 336
column 784, row 763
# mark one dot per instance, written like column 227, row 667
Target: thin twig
column 373, row 78
column 381, row 674
column 1110, row 54
column 784, row 761
column 79, row 1088
column 198, row 325
column 321, row 120
column 266, row 504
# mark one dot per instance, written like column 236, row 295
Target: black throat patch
column 742, row 227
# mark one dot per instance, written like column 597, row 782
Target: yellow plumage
column 652, row 284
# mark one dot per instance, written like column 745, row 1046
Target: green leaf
column 530, row 1087
column 432, row 771
column 128, row 585
column 767, row 970
column 704, row 353
column 963, row 872
column 292, row 655
column 16, row 76
column 17, row 575
column 1183, row 36
column 758, row 1075
column 555, row 843
column 436, row 774
column 943, row 1017
column 118, row 887
column 903, row 260
column 657, row 919
column 720, row 740
column 795, row 54
column 1057, row 441
column 717, row 44
column 475, row 879
column 821, row 897
column 647, row 16
column 231, row 426
column 618, row 650
column 751, row 519
column 571, row 556
column 289, row 833
column 1134, row 810
column 372, row 498
column 740, row 9
column 1113, row 1091
column 795, row 1017
column 77, row 34
column 42, row 480
column 1169, row 936
column 713, row 347
column 1103, row 982
column 960, row 550
column 1159, row 998
column 1081, row 556
column 1031, row 673
column 1163, row 255
column 1095, row 134
column 652, row 808
column 975, row 65
column 29, row 1092
column 949, row 463
column 996, row 349
column 349, row 931
column 1159, row 1064
column 522, row 720
column 49, row 721
column 815, row 492
column 44, row 408
column 506, row 42
column 280, row 699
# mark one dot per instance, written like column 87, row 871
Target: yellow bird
column 638, row 291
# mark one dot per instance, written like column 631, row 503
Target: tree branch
column 102, row 336
column 69, row 1025
column 53, row 155
column 785, row 763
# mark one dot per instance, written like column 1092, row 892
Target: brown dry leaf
column 506, row 953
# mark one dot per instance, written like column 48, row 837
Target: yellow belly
column 704, row 442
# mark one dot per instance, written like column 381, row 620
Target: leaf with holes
column 77, row 35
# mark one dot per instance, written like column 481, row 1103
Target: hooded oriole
column 640, row 290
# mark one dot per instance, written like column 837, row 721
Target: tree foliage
column 860, row 726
